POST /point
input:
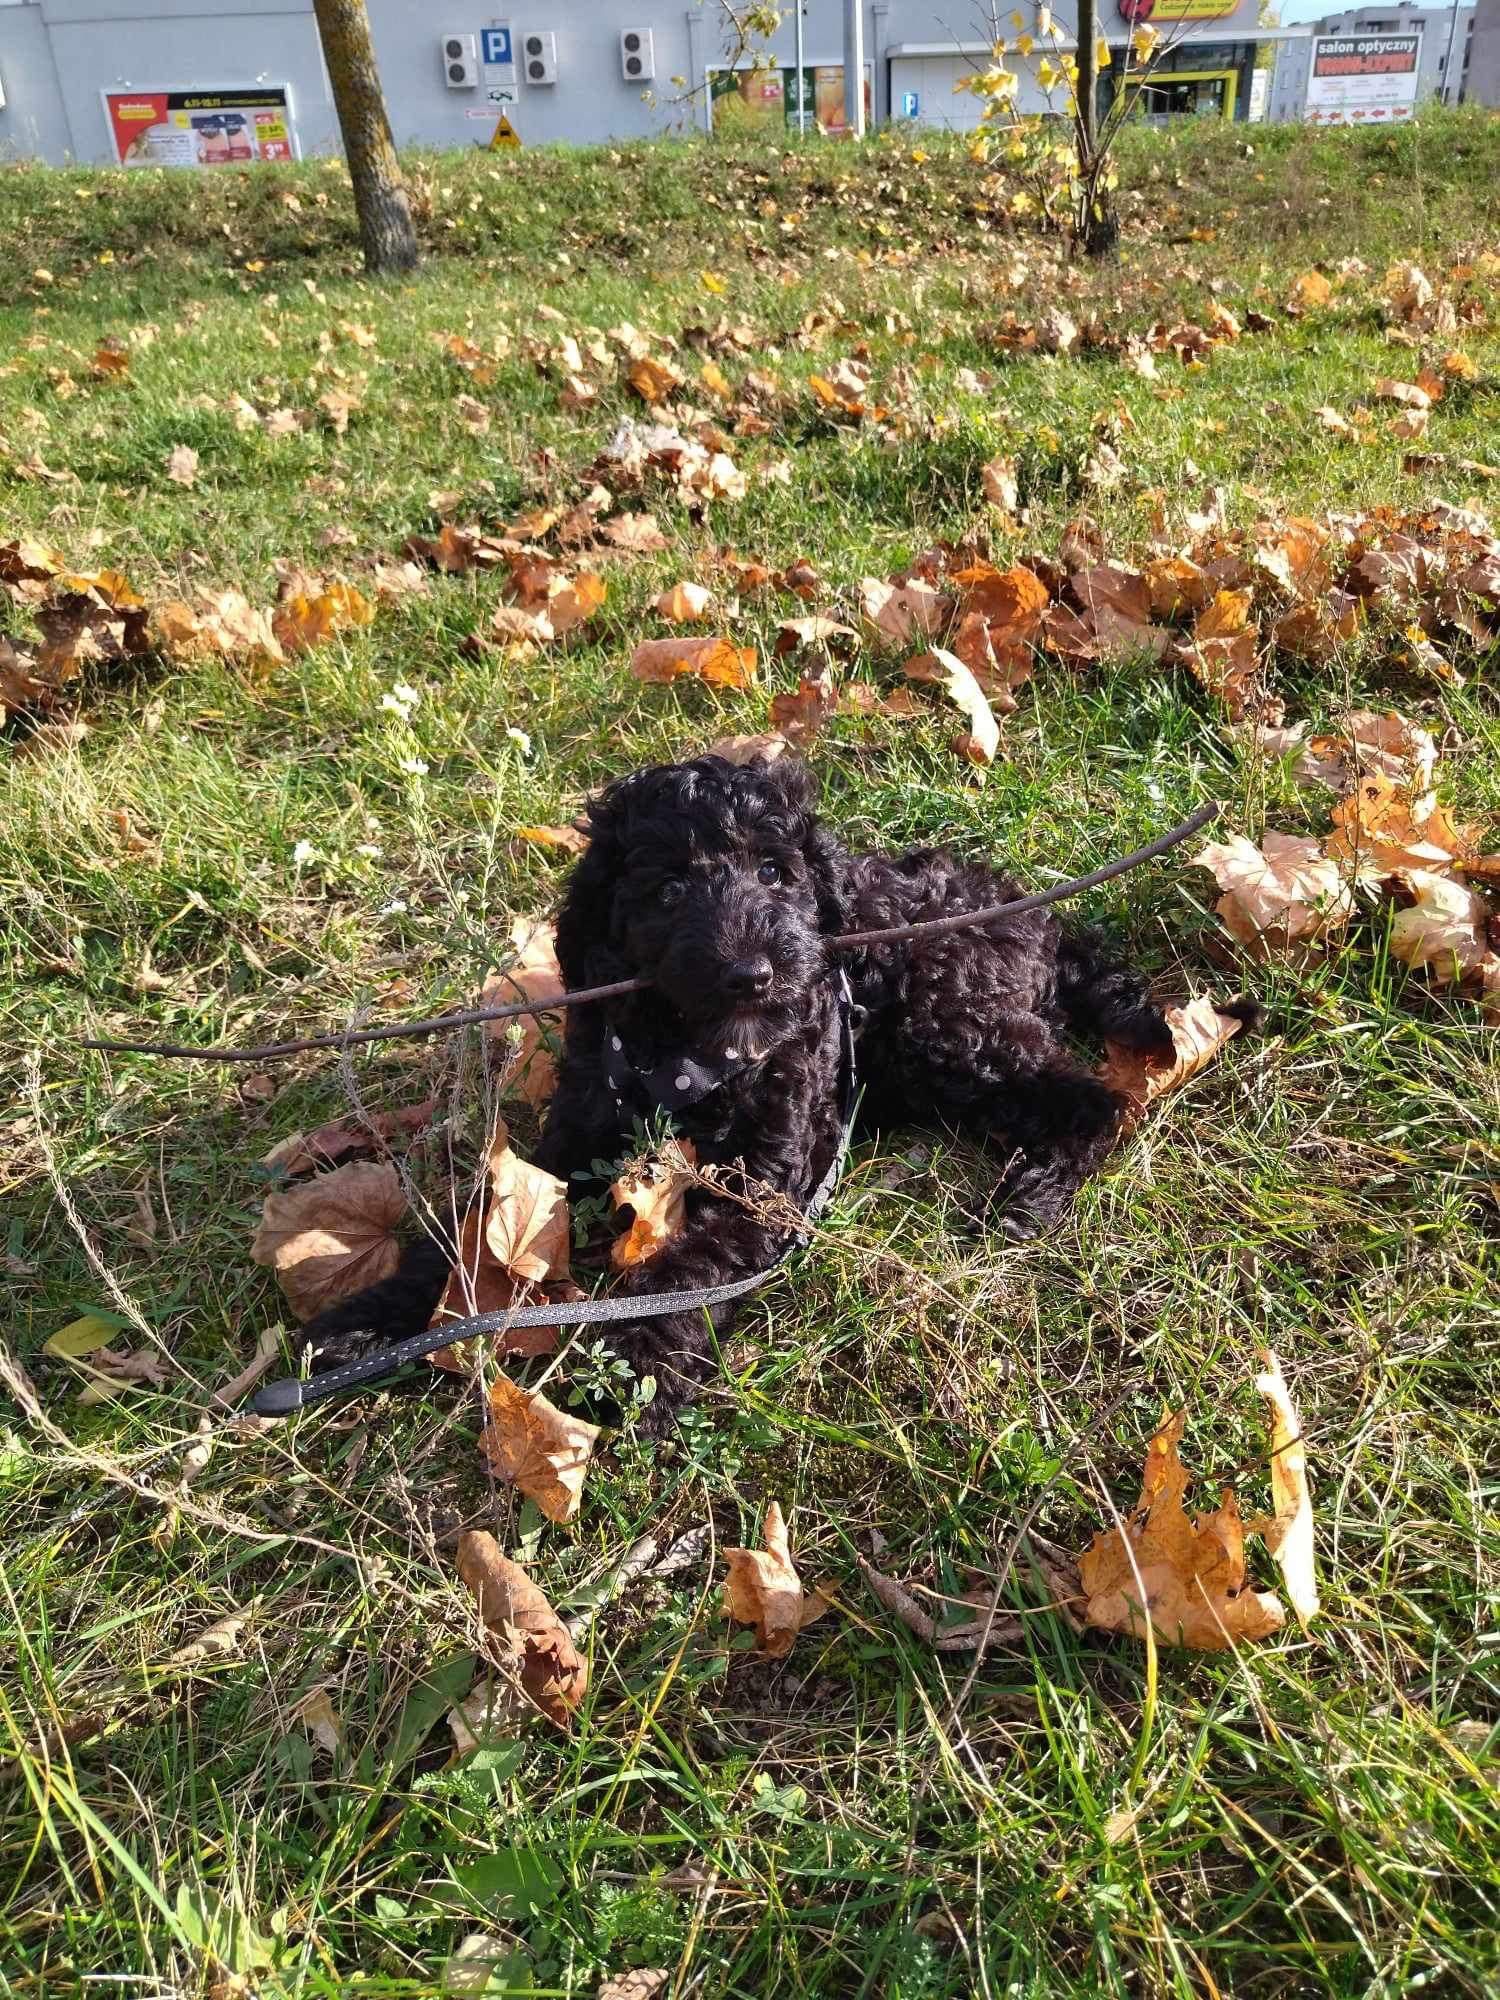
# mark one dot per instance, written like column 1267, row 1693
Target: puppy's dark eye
column 671, row 891
column 769, row 872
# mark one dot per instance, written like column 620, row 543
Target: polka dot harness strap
column 671, row 1085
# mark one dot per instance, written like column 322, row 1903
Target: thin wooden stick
column 850, row 941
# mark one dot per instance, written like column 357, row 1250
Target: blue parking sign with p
column 495, row 45
column 911, row 104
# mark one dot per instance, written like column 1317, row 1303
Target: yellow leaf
column 1311, row 289
column 685, row 602
column 80, row 1336
column 712, row 282
column 945, row 670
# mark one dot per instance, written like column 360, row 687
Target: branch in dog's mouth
column 617, row 989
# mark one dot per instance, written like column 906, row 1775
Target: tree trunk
column 1098, row 225
column 385, row 224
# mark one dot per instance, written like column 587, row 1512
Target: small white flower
column 413, row 767
column 303, row 853
column 401, row 700
column 1154, row 792
column 396, row 907
column 369, row 850
column 521, row 740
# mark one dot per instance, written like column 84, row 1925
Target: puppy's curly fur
column 720, row 885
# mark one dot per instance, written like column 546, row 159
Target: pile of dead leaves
column 88, row 621
column 1294, row 895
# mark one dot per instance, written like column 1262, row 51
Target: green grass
column 1316, row 1816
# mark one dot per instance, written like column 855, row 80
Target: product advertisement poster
column 201, row 128
column 1363, row 79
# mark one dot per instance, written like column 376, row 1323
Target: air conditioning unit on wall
column 539, row 57
column 637, row 55
column 460, row 61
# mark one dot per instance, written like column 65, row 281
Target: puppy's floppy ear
column 821, row 852
column 584, row 927
column 825, row 863
column 791, row 778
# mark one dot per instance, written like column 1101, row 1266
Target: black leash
column 295, row 1392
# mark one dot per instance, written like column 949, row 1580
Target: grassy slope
column 1311, row 1817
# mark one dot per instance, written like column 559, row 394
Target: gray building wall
column 33, row 124
column 1294, row 61
column 56, row 56
column 1484, row 54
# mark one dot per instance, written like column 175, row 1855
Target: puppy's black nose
column 748, row 978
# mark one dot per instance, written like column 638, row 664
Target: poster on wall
column 1363, row 79
column 201, row 128
column 768, row 100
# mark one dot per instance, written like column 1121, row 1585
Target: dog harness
column 278, row 1399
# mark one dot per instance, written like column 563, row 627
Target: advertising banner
column 201, row 128
column 766, row 100
column 1363, row 79
column 1177, row 10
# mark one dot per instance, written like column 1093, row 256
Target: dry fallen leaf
column 1366, row 743
column 1445, row 929
column 1199, row 1031
column 526, row 1638
column 1388, row 390
column 1187, row 1577
column 305, row 618
column 685, row 602
column 318, row 1717
column 655, row 1193
column 800, row 715
column 333, row 1235
column 1382, row 827
column 640, row 1984
column 900, row 613
column 717, row 661
column 652, row 381
column 998, row 483
column 526, row 1224
column 1289, row 1533
column 945, row 670
column 764, row 1590
column 534, row 975
column 182, row 465
column 1286, row 892
column 540, row 1449
column 306, row 1152
column 763, row 749
column 571, row 839
column 1310, row 289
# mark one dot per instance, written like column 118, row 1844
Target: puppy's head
column 714, row 882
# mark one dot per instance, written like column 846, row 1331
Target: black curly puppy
column 719, row 885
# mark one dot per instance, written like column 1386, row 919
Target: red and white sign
column 201, row 128
column 1363, row 79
